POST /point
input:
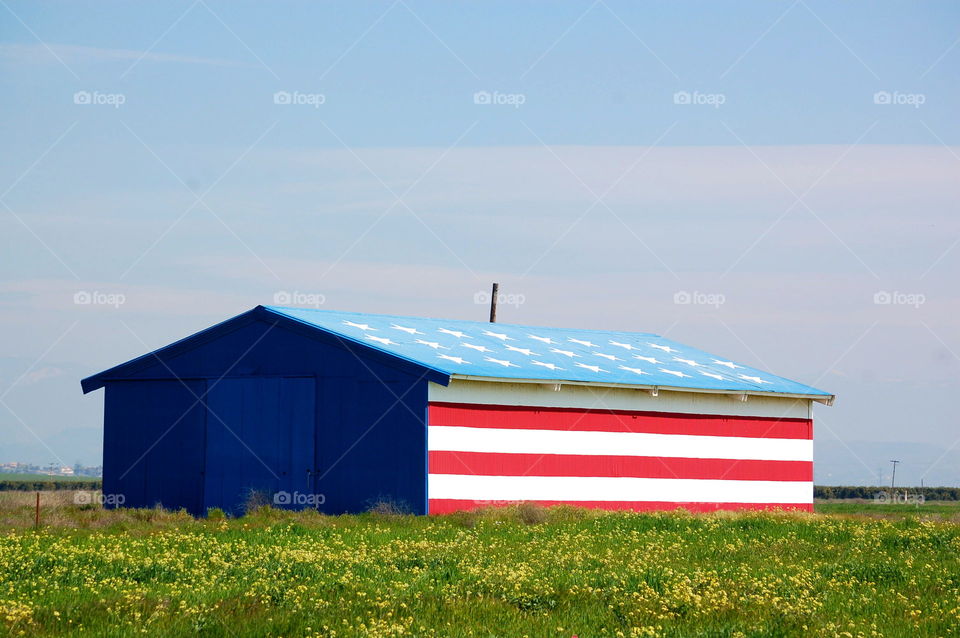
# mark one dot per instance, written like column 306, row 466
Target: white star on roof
column 520, row 350
column 621, row 345
column 498, row 335
column 593, row 368
column 729, row 364
column 647, row 359
column 608, row 356
column 689, row 362
column 549, row 366
column 382, row 340
column 710, row 374
column 754, row 379
column 633, row 370
column 362, row 326
column 455, row 333
column 454, row 359
column 582, row 343
column 547, row 340
column 565, row 353
column 412, row 331
column 431, row 344
column 664, row 348
column 476, row 347
column 675, row 373
column 505, row 364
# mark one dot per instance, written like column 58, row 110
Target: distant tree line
column 859, row 491
column 35, row 486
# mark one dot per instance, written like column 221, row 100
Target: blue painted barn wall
column 260, row 437
column 268, row 396
column 153, row 443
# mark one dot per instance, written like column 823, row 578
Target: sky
column 774, row 182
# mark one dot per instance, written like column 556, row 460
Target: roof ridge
column 472, row 321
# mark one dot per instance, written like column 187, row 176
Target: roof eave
column 826, row 399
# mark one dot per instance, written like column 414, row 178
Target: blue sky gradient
column 810, row 197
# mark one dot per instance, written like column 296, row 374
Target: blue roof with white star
column 505, row 351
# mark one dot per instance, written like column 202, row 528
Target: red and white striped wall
column 493, row 443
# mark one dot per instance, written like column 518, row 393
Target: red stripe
column 503, row 464
column 583, row 420
column 447, row 505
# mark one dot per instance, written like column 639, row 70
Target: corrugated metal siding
column 153, row 443
column 260, row 435
column 488, row 454
column 301, row 400
column 366, row 427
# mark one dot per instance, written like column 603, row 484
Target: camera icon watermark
column 697, row 298
column 482, row 298
column 98, row 298
column 297, row 298
column 84, row 497
column 897, row 98
column 496, row 98
column 296, row 98
column 116, row 100
column 696, row 98
column 287, row 499
column 897, row 298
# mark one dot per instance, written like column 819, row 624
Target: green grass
column 510, row 572
column 941, row 509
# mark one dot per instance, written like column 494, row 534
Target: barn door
column 153, row 443
column 259, row 443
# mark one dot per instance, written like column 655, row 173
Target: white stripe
column 567, row 488
column 520, row 441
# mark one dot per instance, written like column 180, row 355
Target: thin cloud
column 42, row 374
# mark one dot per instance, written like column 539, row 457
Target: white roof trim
column 819, row 398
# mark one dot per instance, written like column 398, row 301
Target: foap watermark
column 697, row 298
column 98, row 298
column 496, row 98
column 116, row 100
column 897, row 298
column 482, row 298
column 284, row 499
column 84, row 497
column 696, row 98
column 892, row 497
column 896, row 98
column 297, row 298
column 296, row 98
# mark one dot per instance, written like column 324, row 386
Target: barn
column 340, row 411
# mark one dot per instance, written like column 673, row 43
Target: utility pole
column 893, row 478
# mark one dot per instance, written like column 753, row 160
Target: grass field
column 946, row 510
column 520, row 571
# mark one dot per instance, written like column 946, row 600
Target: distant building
column 339, row 410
